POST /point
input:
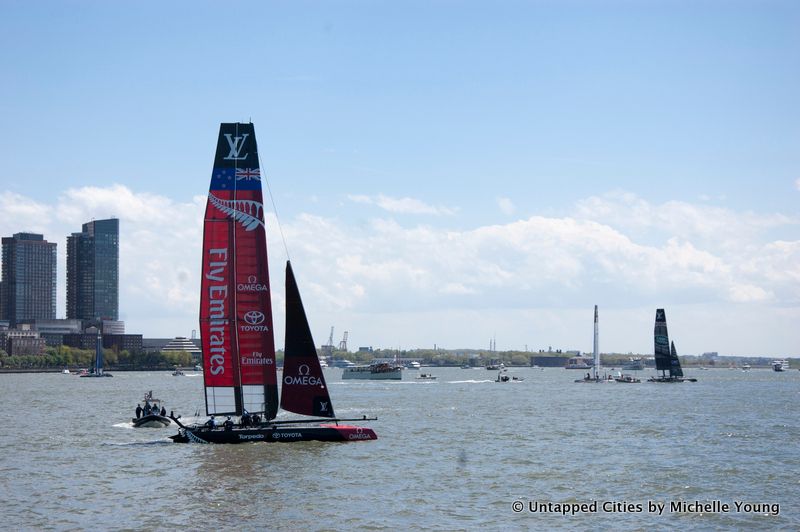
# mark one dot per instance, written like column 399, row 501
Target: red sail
column 235, row 311
column 303, row 390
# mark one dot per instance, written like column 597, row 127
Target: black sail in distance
column 303, row 390
column 674, row 364
column 661, row 340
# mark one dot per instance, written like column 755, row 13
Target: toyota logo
column 254, row 317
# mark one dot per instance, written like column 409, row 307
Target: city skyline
column 443, row 175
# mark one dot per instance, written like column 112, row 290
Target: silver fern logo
column 246, row 212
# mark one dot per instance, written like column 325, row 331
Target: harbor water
column 461, row 452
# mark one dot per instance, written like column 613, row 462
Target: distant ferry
column 342, row 363
column 381, row 371
column 577, row 363
column 634, row 364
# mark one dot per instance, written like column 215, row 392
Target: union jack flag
column 248, row 173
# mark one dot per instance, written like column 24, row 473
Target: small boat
column 240, row 378
column 665, row 354
column 503, row 376
column 178, row 373
column 65, row 371
column 780, row 365
column 745, row 367
column 626, row 378
column 414, row 365
column 152, row 415
column 426, row 376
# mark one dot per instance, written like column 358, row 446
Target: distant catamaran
column 97, row 370
column 240, row 375
column 595, row 376
column 666, row 356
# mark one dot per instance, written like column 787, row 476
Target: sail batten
column 235, row 310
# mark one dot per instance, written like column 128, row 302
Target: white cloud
column 506, row 206
column 21, row 214
column 388, row 272
column 401, row 205
column 713, row 226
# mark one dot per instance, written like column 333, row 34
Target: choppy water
column 452, row 454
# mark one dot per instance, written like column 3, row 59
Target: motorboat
column 151, row 415
column 780, row 365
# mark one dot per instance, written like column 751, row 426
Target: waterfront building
column 28, row 288
column 21, row 342
column 118, row 342
column 181, row 343
column 93, row 271
column 52, row 331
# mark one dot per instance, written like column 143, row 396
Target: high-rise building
column 93, row 271
column 28, row 290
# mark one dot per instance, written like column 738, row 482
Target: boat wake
column 163, row 441
column 471, row 381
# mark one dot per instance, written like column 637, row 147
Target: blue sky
column 444, row 171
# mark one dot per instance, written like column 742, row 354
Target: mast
column 235, row 310
column 596, row 346
column 661, row 343
column 98, row 354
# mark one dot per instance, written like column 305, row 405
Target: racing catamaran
column 666, row 358
column 240, row 375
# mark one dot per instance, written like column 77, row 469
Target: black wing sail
column 303, row 390
column 674, row 364
column 661, row 341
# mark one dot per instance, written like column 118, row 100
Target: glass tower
column 28, row 289
column 93, row 271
